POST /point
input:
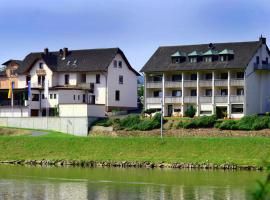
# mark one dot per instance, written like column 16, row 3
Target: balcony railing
column 237, row 82
column 221, row 99
column 237, row 98
column 154, row 84
column 221, row 82
column 261, row 66
column 153, row 100
column 205, row 99
column 87, row 86
column 173, row 84
column 205, row 83
column 190, row 99
column 190, row 83
column 173, row 99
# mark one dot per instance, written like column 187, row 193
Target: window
column 97, row 78
column 176, row 93
column 257, row 60
column 266, row 60
column 121, row 79
column 54, row 96
column 78, row 97
column 43, row 96
column 240, row 91
column 66, row 79
column 157, row 93
column 35, row 97
column 223, row 92
column 240, row 75
column 74, row 97
column 92, row 99
column 83, row 78
column 224, row 76
column 120, row 64
column 193, row 77
column 51, row 96
column 193, row 93
column 117, row 95
column 176, row 77
column 208, row 76
column 177, row 60
column 193, row 59
column 28, row 78
column 40, row 65
column 208, row 59
column 208, row 92
column 115, row 63
column 41, row 80
column 157, row 78
column 223, row 58
column 237, row 108
column 83, row 97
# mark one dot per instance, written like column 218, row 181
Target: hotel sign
column 41, row 72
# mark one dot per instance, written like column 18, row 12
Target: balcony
column 221, row 82
column 205, row 83
column 190, row 99
column 237, row 98
column 153, row 84
column 41, row 72
column 237, row 82
column 87, row 86
column 173, row 84
column 173, row 99
column 190, row 83
column 221, row 99
column 156, row 100
column 261, row 66
column 205, row 99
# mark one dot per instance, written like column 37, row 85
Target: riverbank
column 150, row 152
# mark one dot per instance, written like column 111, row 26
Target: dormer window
column 193, row 59
column 226, row 55
column 194, row 56
column 178, row 57
column 208, row 59
column 210, row 55
column 41, row 65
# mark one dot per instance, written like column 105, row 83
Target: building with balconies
column 88, row 82
column 227, row 79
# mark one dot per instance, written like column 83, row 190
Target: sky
column 138, row 27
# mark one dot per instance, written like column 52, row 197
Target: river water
column 17, row 182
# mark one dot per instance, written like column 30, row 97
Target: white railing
column 173, row 99
column 153, row 100
column 221, row 82
column 173, row 84
column 154, row 84
column 190, row 83
column 237, row 98
column 205, row 83
column 190, row 99
column 205, row 99
column 221, row 99
column 237, row 82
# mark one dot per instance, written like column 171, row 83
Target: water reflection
column 96, row 184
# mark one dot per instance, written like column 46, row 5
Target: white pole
column 161, row 120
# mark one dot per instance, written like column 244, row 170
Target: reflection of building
column 81, row 83
column 231, row 78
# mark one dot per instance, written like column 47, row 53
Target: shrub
column 228, row 125
column 129, row 121
column 261, row 123
column 200, row 122
column 103, row 122
column 150, row 111
column 190, row 112
column 246, row 122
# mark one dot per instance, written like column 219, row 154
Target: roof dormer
column 210, row 55
column 195, row 56
column 226, row 55
column 178, row 57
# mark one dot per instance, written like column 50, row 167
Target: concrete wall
column 71, row 125
column 81, row 110
column 15, row 112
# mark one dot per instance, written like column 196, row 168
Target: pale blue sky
column 138, row 27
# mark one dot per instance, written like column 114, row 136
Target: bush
column 103, row 122
column 151, row 110
column 228, row 125
column 129, row 121
column 261, row 123
column 200, row 122
column 190, row 112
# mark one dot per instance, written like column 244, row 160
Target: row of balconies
column 193, row 83
column 193, row 99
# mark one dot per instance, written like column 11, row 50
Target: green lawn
column 241, row 151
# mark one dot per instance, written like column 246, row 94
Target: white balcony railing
column 190, row 83
column 173, row 84
column 205, row 83
column 221, row 99
column 173, row 99
column 237, row 82
column 237, row 98
column 205, row 99
column 190, row 99
column 154, row 84
column 221, row 82
column 153, row 100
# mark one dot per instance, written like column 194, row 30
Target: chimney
column 65, row 52
column 262, row 40
column 46, row 51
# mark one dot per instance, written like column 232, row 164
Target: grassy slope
column 244, row 150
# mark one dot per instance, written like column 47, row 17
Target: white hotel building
column 88, row 82
column 228, row 79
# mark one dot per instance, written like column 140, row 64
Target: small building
column 228, row 79
column 87, row 83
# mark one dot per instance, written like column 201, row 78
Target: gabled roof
column 76, row 60
column 226, row 52
column 195, row 53
column 161, row 59
column 210, row 52
column 11, row 60
column 179, row 54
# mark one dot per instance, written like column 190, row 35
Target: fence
column 72, row 125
